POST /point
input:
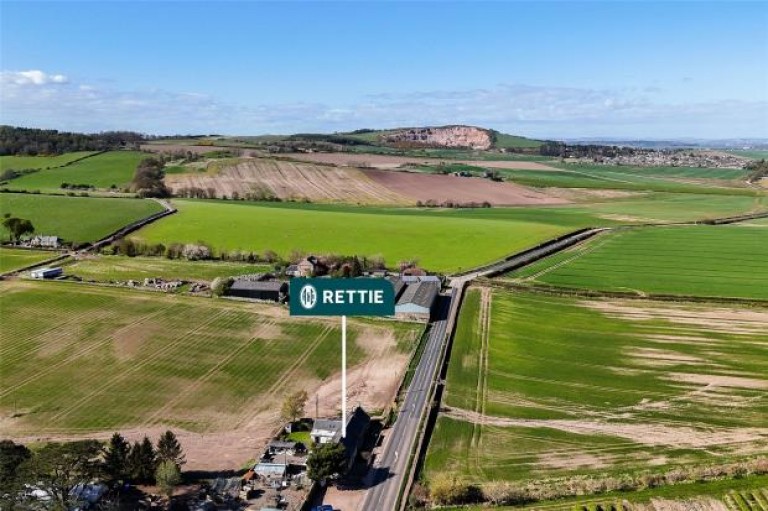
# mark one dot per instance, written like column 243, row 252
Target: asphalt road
column 391, row 467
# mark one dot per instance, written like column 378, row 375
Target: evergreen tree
column 169, row 449
column 148, row 458
column 116, row 458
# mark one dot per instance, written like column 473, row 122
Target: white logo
column 308, row 296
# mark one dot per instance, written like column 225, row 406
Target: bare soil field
column 441, row 188
column 383, row 161
column 290, row 180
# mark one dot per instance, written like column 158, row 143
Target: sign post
column 342, row 297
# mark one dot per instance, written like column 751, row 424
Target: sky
column 547, row 69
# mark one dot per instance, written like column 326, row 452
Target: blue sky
column 544, row 69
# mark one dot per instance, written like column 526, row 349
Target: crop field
column 101, row 171
column 39, row 162
column 742, row 494
column 728, row 261
column 440, row 241
column 542, row 387
column 658, row 179
column 78, row 358
column 75, row 219
column 13, row 258
column 755, row 154
column 123, row 268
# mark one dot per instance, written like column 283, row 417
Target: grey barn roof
column 255, row 285
column 397, row 284
column 419, row 293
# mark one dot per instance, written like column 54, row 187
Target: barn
column 417, row 300
column 272, row 290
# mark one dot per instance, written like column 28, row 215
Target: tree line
column 37, row 142
column 57, row 468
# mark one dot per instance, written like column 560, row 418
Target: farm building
column 329, row 430
column 46, row 273
column 398, row 285
column 45, row 241
column 417, row 300
column 310, row 266
column 272, row 290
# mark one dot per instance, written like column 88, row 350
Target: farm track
column 481, row 392
column 135, row 368
column 80, row 353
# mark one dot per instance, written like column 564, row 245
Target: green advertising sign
column 342, row 297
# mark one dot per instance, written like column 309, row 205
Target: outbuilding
column 417, row 300
column 272, row 290
column 46, row 273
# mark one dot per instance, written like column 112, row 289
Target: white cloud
column 31, row 77
column 34, row 98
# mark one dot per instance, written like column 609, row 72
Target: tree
column 168, row 476
column 169, row 449
column 326, row 461
column 220, row 285
column 293, row 406
column 148, row 179
column 116, row 465
column 148, row 461
column 58, row 467
column 12, row 456
column 18, row 227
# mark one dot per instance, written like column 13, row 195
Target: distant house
column 329, row 430
column 45, row 241
column 417, row 300
column 272, row 290
column 310, row 266
column 46, row 273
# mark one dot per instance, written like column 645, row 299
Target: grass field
column 728, row 261
column 441, row 242
column 78, row 358
column 13, row 258
column 658, row 179
column 101, row 171
column 543, row 387
column 75, row 219
column 122, row 268
column 39, row 162
column 743, row 494
column 755, row 154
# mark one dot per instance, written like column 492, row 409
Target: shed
column 46, row 273
column 272, row 470
column 417, row 300
column 273, row 290
column 398, row 284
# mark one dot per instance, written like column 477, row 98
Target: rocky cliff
column 449, row 136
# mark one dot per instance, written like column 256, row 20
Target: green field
column 100, row 171
column 75, row 219
column 441, row 241
column 755, row 154
column 544, row 387
column 122, row 268
column 79, row 358
column 13, row 258
column 728, row 261
column 658, row 179
column 39, row 162
column 742, row 494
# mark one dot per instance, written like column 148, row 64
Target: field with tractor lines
column 75, row 219
column 546, row 387
column 114, row 168
column 80, row 359
column 728, row 261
